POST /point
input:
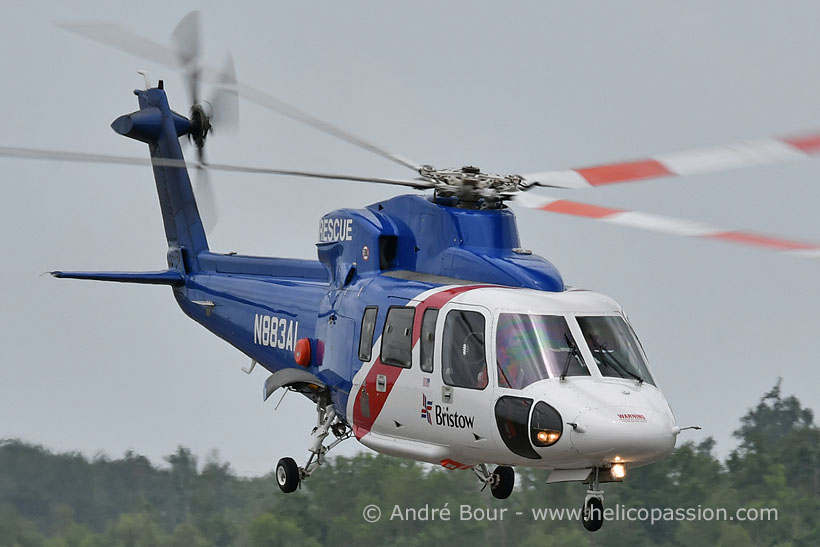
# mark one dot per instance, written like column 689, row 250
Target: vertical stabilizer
column 156, row 124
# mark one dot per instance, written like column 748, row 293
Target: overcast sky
column 512, row 87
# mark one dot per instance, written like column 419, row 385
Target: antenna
column 144, row 74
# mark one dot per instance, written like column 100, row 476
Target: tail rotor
column 221, row 111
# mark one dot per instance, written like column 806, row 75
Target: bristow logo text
column 443, row 417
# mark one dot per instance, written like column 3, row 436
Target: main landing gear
column 593, row 510
column 500, row 481
column 289, row 475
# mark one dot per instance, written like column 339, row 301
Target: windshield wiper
column 612, row 362
column 573, row 352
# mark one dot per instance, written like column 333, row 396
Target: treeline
column 65, row 500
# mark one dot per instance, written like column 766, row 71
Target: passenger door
column 457, row 405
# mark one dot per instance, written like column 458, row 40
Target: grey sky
column 511, row 87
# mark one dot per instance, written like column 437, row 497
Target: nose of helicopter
column 634, row 434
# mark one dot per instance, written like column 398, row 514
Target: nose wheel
column 593, row 510
column 593, row 516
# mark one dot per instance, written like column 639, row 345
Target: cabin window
column 397, row 338
column 428, row 339
column 463, row 359
column 366, row 336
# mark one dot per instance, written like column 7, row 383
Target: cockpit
column 533, row 347
column 526, row 340
column 549, row 376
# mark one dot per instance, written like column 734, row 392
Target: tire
column 287, row 475
column 503, row 482
column 593, row 514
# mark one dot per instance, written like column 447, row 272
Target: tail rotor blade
column 206, row 200
column 186, row 42
column 225, row 98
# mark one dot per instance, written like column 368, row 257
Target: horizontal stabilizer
column 165, row 277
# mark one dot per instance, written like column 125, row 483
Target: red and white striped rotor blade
column 668, row 225
column 677, row 164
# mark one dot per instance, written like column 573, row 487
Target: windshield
column 534, row 347
column 615, row 348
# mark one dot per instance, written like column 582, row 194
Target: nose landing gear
column 593, row 510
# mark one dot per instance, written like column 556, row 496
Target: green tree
column 133, row 530
column 272, row 531
column 65, row 500
column 16, row 530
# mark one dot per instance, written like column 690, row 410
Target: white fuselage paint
column 615, row 418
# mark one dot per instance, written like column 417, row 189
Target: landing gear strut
column 593, row 510
column 288, row 475
column 500, row 481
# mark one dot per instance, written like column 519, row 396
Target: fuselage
column 387, row 341
column 424, row 329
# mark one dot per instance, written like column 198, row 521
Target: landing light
column 547, row 437
column 618, row 470
column 546, row 425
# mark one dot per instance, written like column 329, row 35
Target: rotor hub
column 473, row 188
column 200, row 125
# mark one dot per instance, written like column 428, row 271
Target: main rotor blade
column 691, row 162
column 266, row 100
column 668, row 225
column 116, row 36
column 84, row 157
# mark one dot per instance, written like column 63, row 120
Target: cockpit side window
column 428, row 339
column 463, row 359
column 397, row 338
column 535, row 347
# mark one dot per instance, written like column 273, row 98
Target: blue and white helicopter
column 425, row 329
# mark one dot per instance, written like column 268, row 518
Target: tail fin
column 156, row 124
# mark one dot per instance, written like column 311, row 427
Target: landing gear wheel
column 503, row 482
column 287, row 475
column 593, row 514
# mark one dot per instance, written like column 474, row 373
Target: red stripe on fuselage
column 377, row 399
column 437, row 301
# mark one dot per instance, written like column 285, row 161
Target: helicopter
column 393, row 332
